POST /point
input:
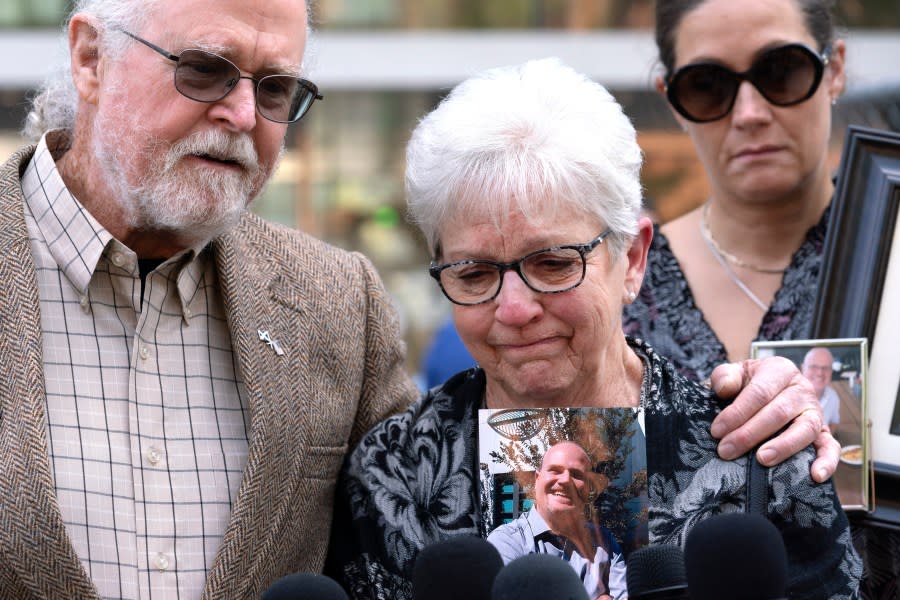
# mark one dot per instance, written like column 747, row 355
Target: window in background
column 552, row 14
column 477, row 14
column 33, row 13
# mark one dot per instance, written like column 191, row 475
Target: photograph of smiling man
column 566, row 482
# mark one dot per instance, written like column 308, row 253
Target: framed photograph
column 570, row 482
column 860, row 281
column 838, row 371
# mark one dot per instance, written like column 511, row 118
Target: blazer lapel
column 265, row 333
column 34, row 537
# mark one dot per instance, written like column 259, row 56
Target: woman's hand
column 771, row 393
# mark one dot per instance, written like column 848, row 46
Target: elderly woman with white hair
column 525, row 183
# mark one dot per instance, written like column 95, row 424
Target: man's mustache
column 216, row 145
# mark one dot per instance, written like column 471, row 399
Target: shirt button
column 161, row 561
column 153, row 456
column 188, row 313
column 145, row 352
column 118, row 259
column 83, row 301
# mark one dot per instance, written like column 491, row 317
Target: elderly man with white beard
column 181, row 379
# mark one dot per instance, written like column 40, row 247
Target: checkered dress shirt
column 146, row 412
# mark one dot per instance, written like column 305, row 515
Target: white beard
column 169, row 196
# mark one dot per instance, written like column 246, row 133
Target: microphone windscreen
column 656, row 573
column 304, row 586
column 736, row 555
column 538, row 577
column 462, row 566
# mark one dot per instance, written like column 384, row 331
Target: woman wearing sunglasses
column 753, row 84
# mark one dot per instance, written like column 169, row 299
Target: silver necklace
column 730, row 272
column 710, row 240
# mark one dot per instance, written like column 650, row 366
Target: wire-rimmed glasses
column 207, row 77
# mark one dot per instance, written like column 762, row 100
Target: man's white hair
column 54, row 104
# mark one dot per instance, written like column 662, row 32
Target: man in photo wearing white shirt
column 817, row 367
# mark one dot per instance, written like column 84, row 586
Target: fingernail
column 821, row 474
column 767, row 456
column 726, row 450
column 717, row 430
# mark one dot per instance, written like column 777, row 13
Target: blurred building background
column 382, row 64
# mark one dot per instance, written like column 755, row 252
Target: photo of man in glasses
column 817, row 367
column 171, row 365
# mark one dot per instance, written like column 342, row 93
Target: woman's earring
column 631, row 296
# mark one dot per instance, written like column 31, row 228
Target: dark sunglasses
column 207, row 77
column 785, row 76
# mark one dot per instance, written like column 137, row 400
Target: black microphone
column 657, row 573
column 462, row 566
column 538, row 577
column 305, row 586
column 737, row 555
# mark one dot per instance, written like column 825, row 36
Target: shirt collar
column 537, row 523
column 74, row 238
column 77, row 241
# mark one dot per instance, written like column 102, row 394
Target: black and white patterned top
column 665, row 313
column 413, row 480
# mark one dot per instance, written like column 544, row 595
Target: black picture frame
column 861, row 274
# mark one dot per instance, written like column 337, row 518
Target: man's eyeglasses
column 549, row 271
column 785, row 76
column 207, row 77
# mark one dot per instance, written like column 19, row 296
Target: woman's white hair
column 536, row 137
column 53, row 106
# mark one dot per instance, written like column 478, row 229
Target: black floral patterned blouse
column 413, row 480
column 666, row 316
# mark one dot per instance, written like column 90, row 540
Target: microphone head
column 538, row 577
column 303, row 586
column 656, row 573
column 736, row 555
column 462, row 566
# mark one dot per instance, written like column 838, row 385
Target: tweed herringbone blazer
column 341, row 371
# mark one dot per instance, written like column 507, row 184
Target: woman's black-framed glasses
column 207, row 77
column 786, row 75
column 548, row 271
